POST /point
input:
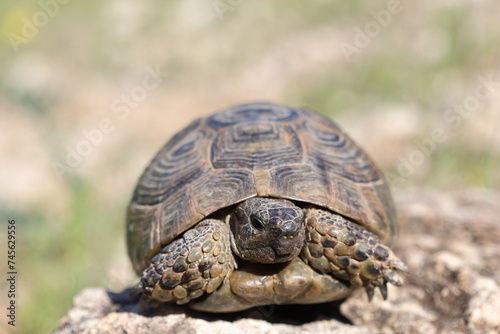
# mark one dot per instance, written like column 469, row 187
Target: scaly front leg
column 195, row 263
column 347, row 251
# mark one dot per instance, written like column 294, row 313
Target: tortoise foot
column 196, row 263
column 348, row 252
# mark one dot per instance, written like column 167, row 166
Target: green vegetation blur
column 91, row 90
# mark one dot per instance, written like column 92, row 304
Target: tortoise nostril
column 287, row 240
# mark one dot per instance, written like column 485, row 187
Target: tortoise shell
column 255, row 149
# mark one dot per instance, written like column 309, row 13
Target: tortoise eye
column 256, row 222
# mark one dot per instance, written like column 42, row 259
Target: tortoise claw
column 383, row 290
column 370, row 292
column 399, row 266
column 393, row 278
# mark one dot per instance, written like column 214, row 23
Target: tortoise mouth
column 281, row 256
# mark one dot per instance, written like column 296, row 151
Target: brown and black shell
column 255, row 149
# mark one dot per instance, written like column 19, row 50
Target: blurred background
column 90, row 91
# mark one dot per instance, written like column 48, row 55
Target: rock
column 450, row 243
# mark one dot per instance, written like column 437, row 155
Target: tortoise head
column 267, row 230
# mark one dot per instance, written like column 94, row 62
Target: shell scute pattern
column 258, row 149
column 256, row 146
column 181, row 161
column 221, row 188
column 331, row 151
column 260, row 111
column 299, row 182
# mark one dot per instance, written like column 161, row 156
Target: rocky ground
column 449, row 241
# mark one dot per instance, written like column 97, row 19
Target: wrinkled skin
column 270, row 251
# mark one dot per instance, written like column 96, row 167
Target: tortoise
column 261, row 204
